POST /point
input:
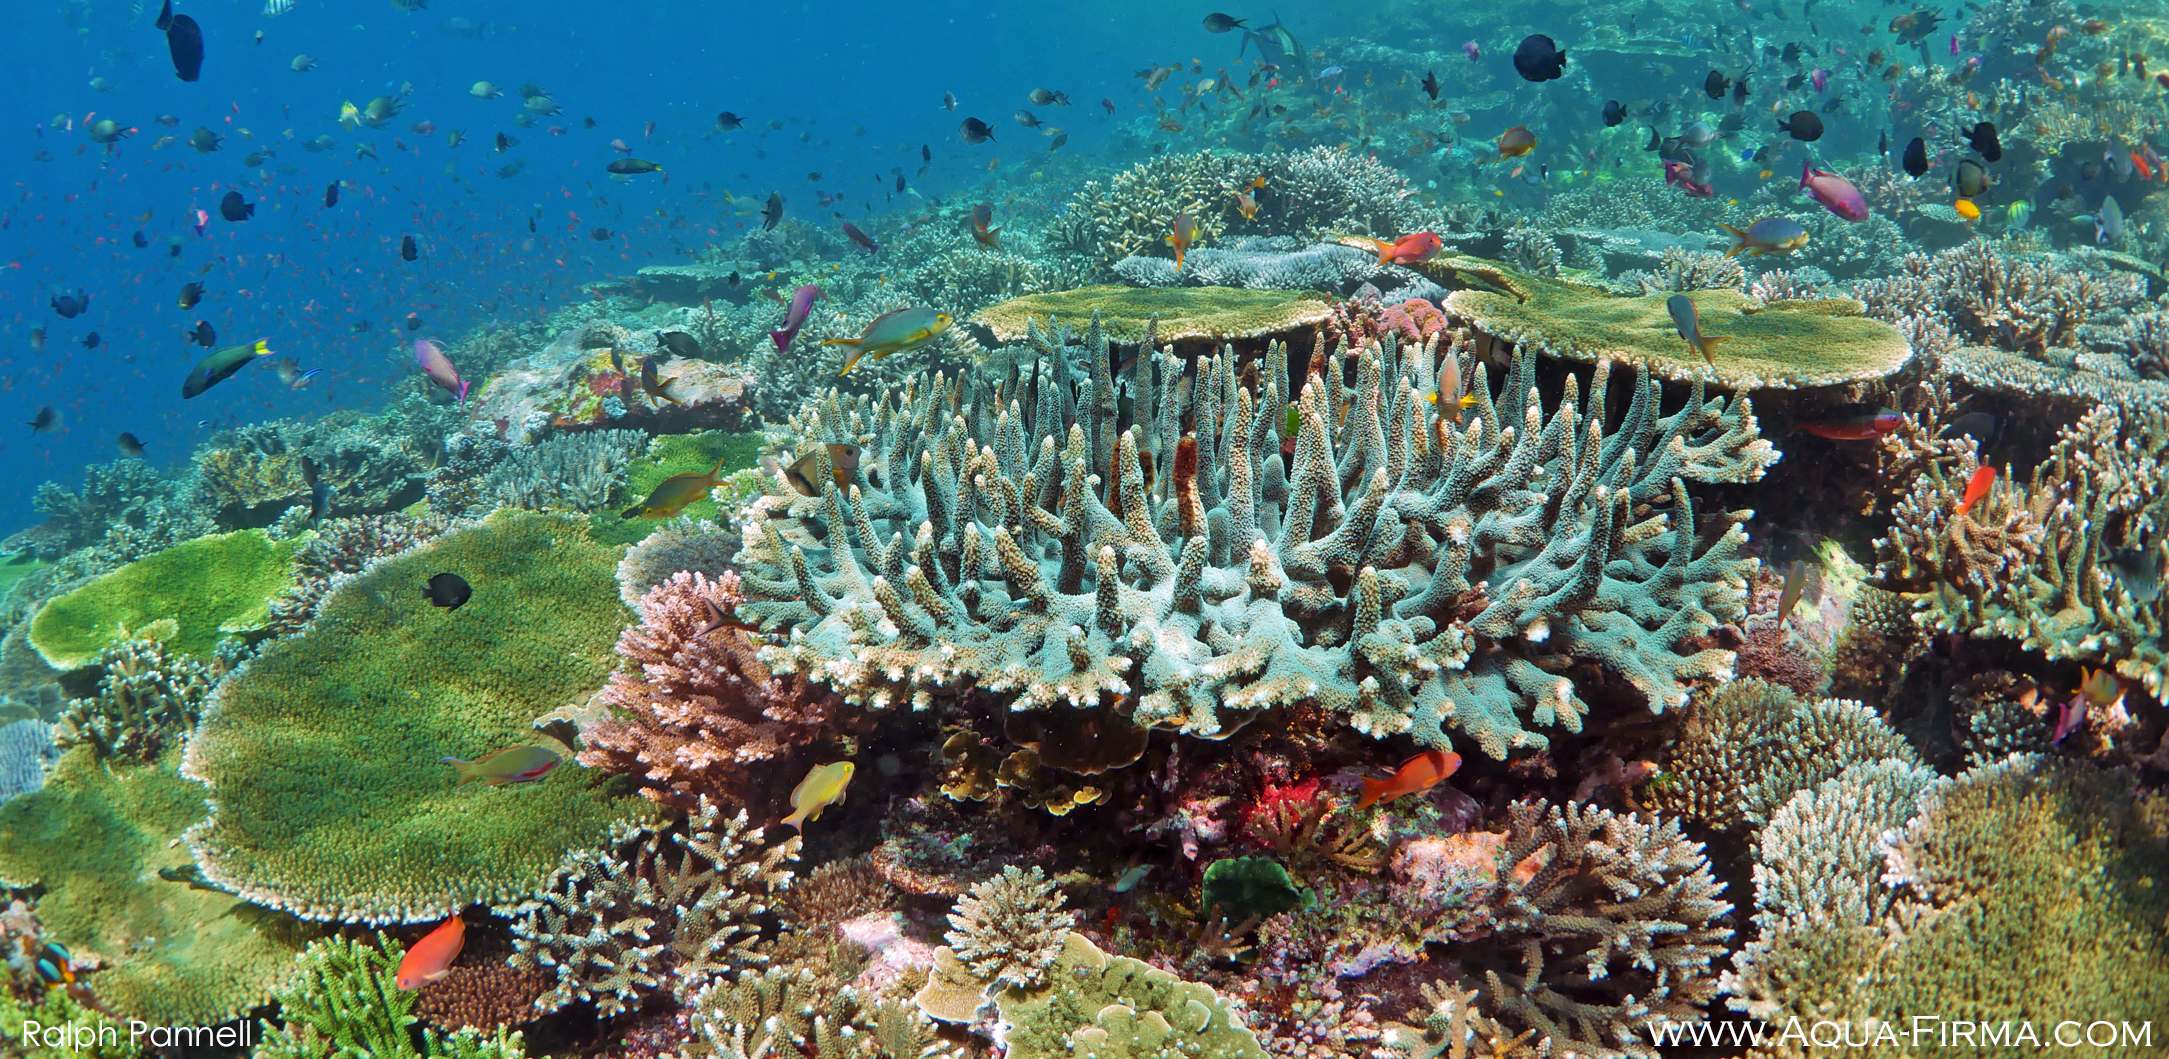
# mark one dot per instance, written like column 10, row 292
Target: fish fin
column 797, row 820
column 838, row 341
column 850, row 363
column 1707, row 342
column 994, row 236
column 1372, row 791
column 1736, row 234
column 631, row 512
column 468, row 771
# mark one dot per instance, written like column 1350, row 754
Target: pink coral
column 1365, row 317
column 697, row 710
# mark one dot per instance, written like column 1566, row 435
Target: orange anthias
column 1416, row 775
column 1976, row 488
column 1415, row 248
column 431, row 958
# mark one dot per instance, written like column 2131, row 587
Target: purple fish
column 1837, row 194
column 1472, row 51
column 1954, row 44
column 801, row 304
column 1821, row 78
column 2070, row 717
column 439, row 369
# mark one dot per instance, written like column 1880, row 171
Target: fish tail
column 1372, row 791
column 1385, row 252
column 1707, row 342
column 468, row 771
column 631, row 512
column 1807, row 170
column 797, row 820
column 1736, row 234
column 260, row 348
column 994, row 236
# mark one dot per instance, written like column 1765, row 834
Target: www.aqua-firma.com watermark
column 1915, row 1033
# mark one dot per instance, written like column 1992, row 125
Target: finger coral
column 346, row 1003
column 1009, row 929
column 146, row 700
column 653, row 909
column 697, row 713
column 1406, row 572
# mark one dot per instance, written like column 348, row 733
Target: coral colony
column 1326, row 646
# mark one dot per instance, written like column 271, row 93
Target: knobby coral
column 654, row 908
column 1410, row 573
column 146, row 699
column 1009, row 929
column 697, row 713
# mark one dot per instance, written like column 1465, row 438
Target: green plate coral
column 322, row 753
column 1185, row 313
column 668, row 455
column 211, row 586
column 96, row 839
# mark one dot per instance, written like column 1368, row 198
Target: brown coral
column 697, row 711
column 484, row 996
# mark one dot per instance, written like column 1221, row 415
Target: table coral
column 173, row 953
column 320, row 752
column 211, row 587
column 1410, row 573
column 1184, row 314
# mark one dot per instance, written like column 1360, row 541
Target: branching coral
column 2070, row 564
column 122, row 492
column 1749, row 746
column 2026, row 303
column 347, row 1004
column 779, row 1012
column 698, row 713
column 653, row 909
column 146, row 700
column 575, row 471
column 837, row 891
column 1410, row 574
column 342, row 547
column 1009, row 929
column 683, row 544
column 1687, row 270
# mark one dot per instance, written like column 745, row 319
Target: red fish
column 1855, row 423
column 1414, row 248
column 431, row 958
column 1416, row 775
column 1976, row 488
column 1681, row 175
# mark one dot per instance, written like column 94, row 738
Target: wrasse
column 518, row 764
column 1857, row 422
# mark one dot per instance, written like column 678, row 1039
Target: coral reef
column 1008, row 930
column 26, row 751
column 696, row 713
column 345, row 1003
column 57, row 1008
column 651, row 910
column 1260, row 263
column 122, row 493
column 669, row 455
column 682, row 545
column 317, row 754
column 211, row 587
column 1749, row 746
column 588, row 378
column 1682, row 270
column 340, row 548
column 370, row 463
column 1181, row 314
column 572, row 471
column 2069, row 564
column 487, row 996
column 171, row 952
column 1987, row 297
column 778, row 1011
column 1407, row 573
column 146, row 701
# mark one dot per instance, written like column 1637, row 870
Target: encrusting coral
column 1409, row 573
column 653, row 910
column 696, row 713
column 1009, row 929
column 321, row 759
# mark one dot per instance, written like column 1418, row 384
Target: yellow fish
column 893, row 332
column 823, row 786
column 350, row 115
column 1967, row 209
column 675, row 493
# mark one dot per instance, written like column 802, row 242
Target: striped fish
column 278, row 7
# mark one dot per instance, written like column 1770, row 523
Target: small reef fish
column 220, row 366
column 1688, row 322
column 1837, row 194
column 513, row 764
column 1414, row 248
column 1682, row 175
column 795, row 318
column 1855, row 422
column 1977, row 488
column 45, row 422
column 632, row 167
column 1967, row 209
column 1515, row 142
column 447, row 590
column 860, row 239
column 2099, row 689
column 893, row 332
column 130, row 445
column 772, row 213
column 1795, row 584
column 675, row 493
column 843, row 461
column 1219, row 23
column 1416, row 775
column 439, row 369
column 191, row 293
column 652, row 385
column 1185, row 233
column 1246, row 205
column 1770, row 235
column 823, row 786
column 987, row 238
column 431, row 958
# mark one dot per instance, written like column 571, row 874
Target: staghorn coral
column 1747, row 747
column 573, row 471
column 781, row 1012
column 2015, row 302
column 210, row 587
column 1454, row 1027
column 317, row 751
column 697, row 713
column 1684, row 270
column 1598, row 925
column 1789, row 284
column 346, row 1004
column 1009, row 929
column 652, row 910
column 680, row 545
column 1408, row 574
column 26, row 751
column 146, row 700
column 2142, row 340
column 2070, row 564
column 343, row 547
column 1533, row 251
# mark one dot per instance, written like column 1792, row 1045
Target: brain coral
column 1408, row 573
column 321, row 753
column 97, row 840
column 211, row 586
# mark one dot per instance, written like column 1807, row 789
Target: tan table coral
column 1185, row 313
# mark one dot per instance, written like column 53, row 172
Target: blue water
column 858, row 87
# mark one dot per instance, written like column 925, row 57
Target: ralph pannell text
column 77, row 1038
